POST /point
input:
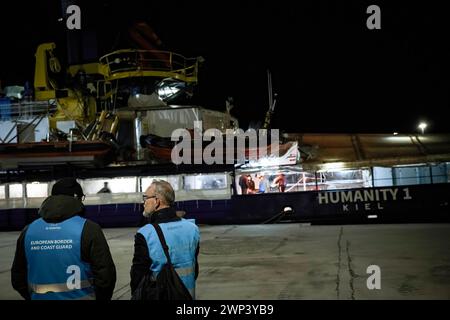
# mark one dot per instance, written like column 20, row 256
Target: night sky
column 331, row 73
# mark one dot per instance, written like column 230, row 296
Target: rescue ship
column 112, row 121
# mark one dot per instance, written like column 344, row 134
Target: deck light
column 422, row 126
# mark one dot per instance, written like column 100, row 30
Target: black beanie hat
column 67, row 186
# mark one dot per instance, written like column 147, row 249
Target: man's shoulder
column 190, row 224
column 145, row 229
column 186, row 224
column 91, row 226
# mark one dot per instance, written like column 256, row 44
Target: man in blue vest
column 263, row 186
column 182, row 237
column 62, row 255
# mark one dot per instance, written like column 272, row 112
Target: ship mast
column 272, row 101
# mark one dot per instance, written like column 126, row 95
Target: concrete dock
column 297, row 261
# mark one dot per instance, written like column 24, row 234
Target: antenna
column 271, row 101
column 269, row 88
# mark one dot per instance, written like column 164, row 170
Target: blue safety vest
column 55, row 268
column 182, row 238
column 262, row 187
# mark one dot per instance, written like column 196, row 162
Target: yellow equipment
column 71, row 104
column 78, row 102
column 44, row 86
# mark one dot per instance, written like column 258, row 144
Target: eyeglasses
column 146, row 197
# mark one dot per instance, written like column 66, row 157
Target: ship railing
column 10, row 111
column 164, row 64
column 26, row 201
column 22, row 117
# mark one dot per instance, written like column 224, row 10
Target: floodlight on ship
column 169, row 89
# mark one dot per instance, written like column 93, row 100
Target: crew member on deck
column 280, row 181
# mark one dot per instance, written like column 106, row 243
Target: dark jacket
column 141, row 259
column 94, row 248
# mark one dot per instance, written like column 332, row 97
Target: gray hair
column 164, row 190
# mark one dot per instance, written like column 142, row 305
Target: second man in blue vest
column 182, row 237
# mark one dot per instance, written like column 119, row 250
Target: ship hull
column 417, row 203
column 82, row 153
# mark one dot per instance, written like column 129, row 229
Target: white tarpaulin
column 162, row 122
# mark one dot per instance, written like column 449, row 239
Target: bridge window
column 15, row 190
column 114, row 185
column 205, row 182
column 37, row 190
column 173, row 180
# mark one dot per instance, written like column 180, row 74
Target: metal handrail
column 129, row 60
column 21, row 109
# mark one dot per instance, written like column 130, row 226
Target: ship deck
column 296, row 261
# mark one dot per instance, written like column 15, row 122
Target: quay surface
column 296, row 261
